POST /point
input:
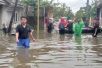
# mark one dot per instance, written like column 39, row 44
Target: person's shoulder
column 18, row 26
column 29, row 26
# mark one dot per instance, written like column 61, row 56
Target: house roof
column 2, row 2
column 10, row 3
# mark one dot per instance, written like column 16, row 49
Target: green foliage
column 89, row 11
column 28, row 2
column 93, row 11
column 81, row 13
column 59, row 9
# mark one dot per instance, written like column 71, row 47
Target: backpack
column 50, row 26
column 61, row 27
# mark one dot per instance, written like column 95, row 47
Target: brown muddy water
column 52, row 51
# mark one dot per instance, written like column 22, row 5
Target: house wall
column 0, row 14
column 99, row 8
column 7, row 13
column 4, row 15
column 100, row 17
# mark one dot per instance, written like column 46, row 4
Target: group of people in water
column 74, row 26
column 23, row 30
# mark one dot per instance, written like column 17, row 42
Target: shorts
column 23, row 43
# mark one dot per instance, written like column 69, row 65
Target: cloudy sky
column 74, row 4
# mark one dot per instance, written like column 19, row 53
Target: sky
column 74, row 4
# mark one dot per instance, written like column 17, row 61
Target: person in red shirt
column 62, row 25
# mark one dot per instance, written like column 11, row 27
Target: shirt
column 23, row 31
column 77, row 28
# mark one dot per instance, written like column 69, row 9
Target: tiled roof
column 10, row 3
column 2, row 2
column 99, row 3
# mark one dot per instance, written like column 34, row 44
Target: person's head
column 50, row 20
column 96, row 19
column 62, row 20
column 23, row 20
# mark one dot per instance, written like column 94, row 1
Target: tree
column 56, row 9
column 70, row 14
column 81, row 13
column 93, row 10
column 60, row 10
column 88, row 11
column 28, row 3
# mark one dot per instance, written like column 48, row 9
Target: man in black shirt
column 23, row 31
column 50, row 26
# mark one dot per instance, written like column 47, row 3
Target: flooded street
column 53, row 51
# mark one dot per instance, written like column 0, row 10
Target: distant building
column 45, row 13
column 99, row 11
column 6, row 8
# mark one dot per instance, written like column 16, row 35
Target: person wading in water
column 23, row 31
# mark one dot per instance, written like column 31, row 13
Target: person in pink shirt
column 62, row 25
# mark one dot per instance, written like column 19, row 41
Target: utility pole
column 88, row 9
column 12, row 17
column 38, row 9
column 87, row 2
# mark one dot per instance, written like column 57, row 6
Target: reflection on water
column 52, row 51
column 48, row 36
column 22, row 52
column 62, row 37
column 78, row 40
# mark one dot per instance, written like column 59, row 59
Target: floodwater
column 52, row 51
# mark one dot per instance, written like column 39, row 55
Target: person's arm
column 82, row 24
column 17, row 35
column 73, row 27
column 31, row 35
column 95, row 31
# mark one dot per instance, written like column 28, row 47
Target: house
column 99, row 11
column 6, row 9
column 44, row 14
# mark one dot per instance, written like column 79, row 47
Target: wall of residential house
column 6, row 15
column 0, row 15
column 101, row 17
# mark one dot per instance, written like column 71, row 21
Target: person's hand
column 94, row 34
column 33, row 40
column 17, row 40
